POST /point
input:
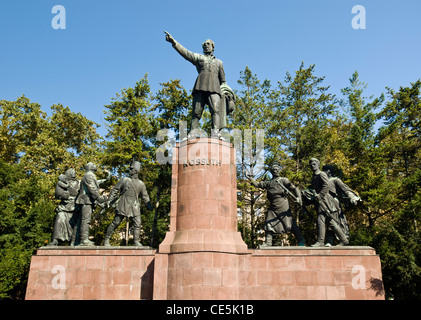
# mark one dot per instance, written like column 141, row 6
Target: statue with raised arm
column 207, row 90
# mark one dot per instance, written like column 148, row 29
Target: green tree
column 307, row 110
column 130, row 126
column 131, row 136
column 21, row 124
column 27, row 219
column 172, row 105
column 46, row 146
column 250, row 121
column 399, row 140
column 34, row 150
column 363, row 169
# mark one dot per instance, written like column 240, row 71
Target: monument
column 203, row 256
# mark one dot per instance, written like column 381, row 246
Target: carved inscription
column 201, row 162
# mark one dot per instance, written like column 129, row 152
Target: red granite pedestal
column 302, row 273
column 203, row 231
column 91, row 273
column 203, row 199
column 286, row 273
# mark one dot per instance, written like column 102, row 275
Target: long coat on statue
column 278, row 217
column 210, row 69
column 129, row 191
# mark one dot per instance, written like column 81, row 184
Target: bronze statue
column 279, row 218
column 127, row 192
column 88, row 197
column 68, row 212
column 327, row 208
column 207, row 89
column 341, row 194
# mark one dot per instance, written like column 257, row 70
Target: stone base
column 280, row 273
column 91, row 273
column 273, row 273
column 203, row 240
column 305, row 273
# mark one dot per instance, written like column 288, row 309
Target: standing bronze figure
column 327, row 208
column 127, row 192
column 68, row 212
column 341, row 193
column 207, row 88
column 279, row 219
column 89, row 196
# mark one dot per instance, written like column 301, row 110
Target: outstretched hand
column 169, row 37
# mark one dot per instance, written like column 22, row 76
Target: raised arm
column 294, row 190
column 186, row 54
column 255, row 183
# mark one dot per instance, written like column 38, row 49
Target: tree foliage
column 34, row 150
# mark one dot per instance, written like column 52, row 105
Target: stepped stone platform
column 128, row 273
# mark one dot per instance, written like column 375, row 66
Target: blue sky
column 109, row 45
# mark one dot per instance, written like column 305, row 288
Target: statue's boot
column 216, row 120
column 298, row 235
column 341, row 235
column 136, row 237
column 53, row 243
column 108, row 234
column 269, row 238
column 84, row 234
column 318, row 244
column 87, row 243
column 321, row 231
column 330, row 238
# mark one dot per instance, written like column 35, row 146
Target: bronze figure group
column 79, row 199
column 326, row 194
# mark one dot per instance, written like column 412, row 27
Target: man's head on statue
column 71, row 174
column 275, row 170
column 134, row 168
column 314, row 164
column 90, row 167
column 208, row 46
